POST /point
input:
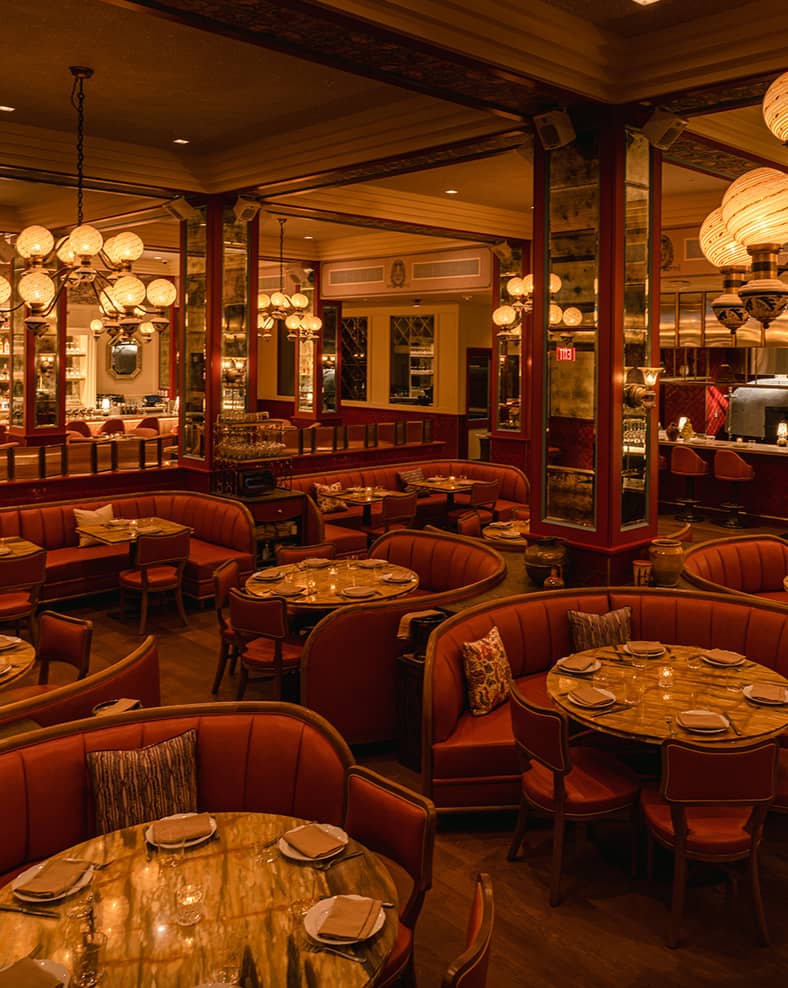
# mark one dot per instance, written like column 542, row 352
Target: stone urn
column 543, row 556
column 667, row 559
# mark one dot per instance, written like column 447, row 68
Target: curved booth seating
column 254, row 757
column 471, row 762
column 221, row 528
column 751, row 565
column 348, row 668
column 135, row 676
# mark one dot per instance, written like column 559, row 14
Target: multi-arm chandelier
column 509, row 317
column 279, row 306
column 120, row 295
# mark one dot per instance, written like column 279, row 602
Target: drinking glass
column 188, row 903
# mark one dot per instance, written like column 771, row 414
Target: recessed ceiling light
column 646, row 3
column 308, row 237
column 7, row 109
column 452, row 192
column 180, row 140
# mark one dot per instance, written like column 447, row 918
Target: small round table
column 512, row 537
column 657, row 693
column 343, row 582
column 254, row 897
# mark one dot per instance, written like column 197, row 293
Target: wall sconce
column 650, row 375
column 782, row 433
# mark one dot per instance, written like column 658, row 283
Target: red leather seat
column 730, row 467
column 160, row 563
column 21, row 579
column 398, row 511
column 685, row 462
column 260, row 632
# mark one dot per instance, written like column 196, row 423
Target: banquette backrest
column 443, row 562
column 258, row 757
column 749, row 564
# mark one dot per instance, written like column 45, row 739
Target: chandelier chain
column 282, row 222
column 78, row 102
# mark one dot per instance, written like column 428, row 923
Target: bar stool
column 731, row 467
column 685, row 462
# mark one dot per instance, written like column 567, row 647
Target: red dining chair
column 21, row 579
column 286, row 554
column 79, row 426
column 226, row 577
column 399, row 825
column 111, row 427
column 398, row 511
column 469, row 525
column 262, row 640
column 62, row 638
column 577, row 784
column 711, row 806
column 469, row 969
column 481, row 498
column 160, row 563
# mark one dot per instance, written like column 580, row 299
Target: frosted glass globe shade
column 127, row 246
column 755, row 207
column 299, row 301
column 718, row 246
column 572, row 316
column 775, row 108
column 515, row 287
column 96, row 325
column 556, row 314
column 528, row 284
column 555, row 284
column 263, row 300
column 147, row 331
column 36, row 288
column 312, row 323
column 86, row 240
column 34, row 241
column 109, row 249
column 280, row 301
column 65, row 253
column 504, row 316
column 5, row 290
column 128, row 291
column 293, row 322
column 161, row 293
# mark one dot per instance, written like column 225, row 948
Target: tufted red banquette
column 348, row 669
column 749, row 564
column 471, row 762
column 221, row 529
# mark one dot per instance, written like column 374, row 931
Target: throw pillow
column 408, row 477
column 595, row 630
column 131, row 787
column 487, row 673
column 325, row 501
column 83, row 516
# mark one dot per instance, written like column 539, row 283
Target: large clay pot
column 667, row 559
column 544, row 555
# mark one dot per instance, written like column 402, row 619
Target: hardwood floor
column 610, row 929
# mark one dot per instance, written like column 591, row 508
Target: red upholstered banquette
column 471, row 762
column 747, row 564
column 221, row 529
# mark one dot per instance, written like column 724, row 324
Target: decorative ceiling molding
column 719, row 97
column 704, row 155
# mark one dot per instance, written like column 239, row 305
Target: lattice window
column 412, row 359
column 355, row 341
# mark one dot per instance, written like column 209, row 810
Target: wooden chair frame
column 53, row 650
column 228, row 651
column 469, row 969
column 144, row 563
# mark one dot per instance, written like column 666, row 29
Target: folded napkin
column 27, row 974
column 148, row 530
column 268, row 574
column 577, row 663
column 350, row 918
column 403, row 629
column 590, row 696
column 701, row 719
column 116, row 706
column 371, row 563
column 645, row 648
column 54, row 879
column 770, row 692
column 312, row 841
column 722, row 657
column 186, row 828
column 315, row 562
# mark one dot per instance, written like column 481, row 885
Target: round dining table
column 15, row 662
column 253, row 897
column 509, row 535
column 337, row 584
column 650, row 696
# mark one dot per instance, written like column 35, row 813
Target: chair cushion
column 398, row 958
column 259, row 654
column 14, row 604
column 487, row 673
column 84, row 516
column 159, row 578
column 136, row 785
column 598, row 783
column 713, row 830
column 595, row 630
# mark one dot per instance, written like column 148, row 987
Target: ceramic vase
column 544, row 555
column 667, row 559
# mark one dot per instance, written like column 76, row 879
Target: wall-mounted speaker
column 245, row 209
column 663, row 129
column 555, row 129
column 181, row 209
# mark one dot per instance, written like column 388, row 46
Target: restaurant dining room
column 393, row 529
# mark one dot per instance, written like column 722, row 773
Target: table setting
column 334, row 582
column 16, row 659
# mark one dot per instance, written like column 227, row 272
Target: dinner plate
column 397, row 577
column 118, row 523
column 86, row 878
column 267, row 576
column 315, row 918
column 595, row 665
column 5, row 551
column 8, row 641
column 193, row 842
column 645, row 655
column 290, row 852
column 507, row 534
column 148, row 530
column 609, row 701
column 722, row 665
column 747, row 691
column 359, row 591
column 499, row 524
column 290, row 591
column 316, row 563
column 703, row 730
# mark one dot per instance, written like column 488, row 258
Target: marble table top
column 340, row 583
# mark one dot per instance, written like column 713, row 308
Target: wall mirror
column 124, row 360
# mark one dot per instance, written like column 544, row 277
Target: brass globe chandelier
column 121, row 296
column 281, row 307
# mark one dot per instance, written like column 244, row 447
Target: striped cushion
column 133, row 786
column 595, row 630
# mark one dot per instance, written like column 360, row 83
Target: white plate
column 359, row 591
column 507, row 534
column 644, row 655
column 5, row 551
column 722, row 665
column 397, row 577
column 611, row 699
column 315, row 918
column 316, row 563
column 187, row 843
column 8, row 641
column 595, row 665
column 747, row 691
column 703, row 730
column 56, row 970
column 290, row 852
column 40, row 900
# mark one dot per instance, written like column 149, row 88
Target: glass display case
column 234, row 383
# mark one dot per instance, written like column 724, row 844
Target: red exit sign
column 565, row 353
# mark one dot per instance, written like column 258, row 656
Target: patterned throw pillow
column 83, row 516
column 407, row 478
column 131, row 787
column 595, row 630
column 487, row 673
column 324, row 499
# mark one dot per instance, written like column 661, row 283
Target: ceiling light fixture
column 290, row 309
column 731, row 257
column 451, row 192
column 775, row 108
column 180, row 140
column 119, row 294
column 509, row 317
column 7, row 109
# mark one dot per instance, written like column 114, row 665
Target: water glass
column 188, row 903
